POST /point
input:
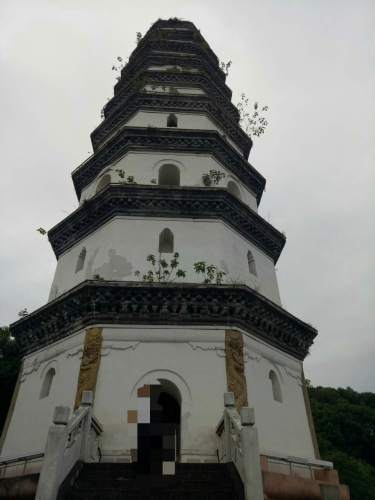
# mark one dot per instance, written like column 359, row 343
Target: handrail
column 234, row 419
column 313, row 462
column 21, row 458
column 220, row 427
column 68, row 442
column 76, row 419
column 240, row 440
column 97, row 426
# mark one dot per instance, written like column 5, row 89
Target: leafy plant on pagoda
column 212, row 178
column 225, row 67
column 162, row 270
column 125, row 179
column 252, row 118
column 211, row 274
column 10, row 362
column 252, row 121
column 118, row 66
column 23, row 312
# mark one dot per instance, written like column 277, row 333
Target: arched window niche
column 276, row 387
column 104, row 181
column 169, row 175
column 251, row 263
column 234, row 189
column 47, row 383
column 172, row 120
column 166, row 241
column 81, row 260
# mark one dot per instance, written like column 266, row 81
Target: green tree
column 10, row 362
column 345, row 427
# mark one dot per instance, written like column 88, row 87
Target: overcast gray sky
column 311, row 61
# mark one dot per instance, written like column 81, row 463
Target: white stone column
column 228, row 403
column 53, row 455
column 87, row 402
column 253, row 482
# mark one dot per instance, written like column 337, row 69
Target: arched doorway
column 159, row 441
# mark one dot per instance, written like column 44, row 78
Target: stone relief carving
column 74, row 352
column 90, row 362
column 294, row 374
column 33, row 365
column 235, row 365
column 218, row 349
column 119, row 347
column 250, row 355
column 30, row 368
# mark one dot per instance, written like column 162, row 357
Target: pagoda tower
column 169, row 178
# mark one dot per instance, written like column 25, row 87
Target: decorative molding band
column 120, row 302
column 164, row 201
column 168, row 139
column 172, row 78
column 176, row 103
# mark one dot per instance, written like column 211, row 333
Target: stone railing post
column 228, row 403
column 87, row 402
column 49, row 482
column 253, row 482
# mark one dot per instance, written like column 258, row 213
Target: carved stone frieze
column 235, row 366
column 159, row 201
column 90, row 362
column 132, row 303
column 155, row 139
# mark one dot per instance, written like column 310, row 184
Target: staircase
column 111, row 481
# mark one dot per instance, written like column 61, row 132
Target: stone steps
column 191, row 481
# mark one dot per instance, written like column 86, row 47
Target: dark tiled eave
column 147, row 101
column 168, row 139
column 171, row 78
column 162, row 201
column 131, row 303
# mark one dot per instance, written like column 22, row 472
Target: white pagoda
column 202, row 317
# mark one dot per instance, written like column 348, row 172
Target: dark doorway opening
column 159, row 442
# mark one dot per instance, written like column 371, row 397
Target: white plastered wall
column 133, row 357
column 120, row 247
column 144, row 167
column 32, row 415
column 188, row 121
column 282, row 426
column 193, row 359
